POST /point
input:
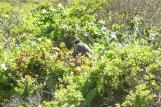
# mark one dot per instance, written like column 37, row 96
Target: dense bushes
column 62, row 23
column 125, row 80
column 37, row 69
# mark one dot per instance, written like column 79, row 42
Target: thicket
column 36, row 42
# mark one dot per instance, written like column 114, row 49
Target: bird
column 80, row 48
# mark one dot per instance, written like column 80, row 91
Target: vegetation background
column 36, row 42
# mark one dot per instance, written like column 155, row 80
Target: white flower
column 103, row 28
column 3, row 67
column 60, row 5
column 113, row 35
column 86, row 34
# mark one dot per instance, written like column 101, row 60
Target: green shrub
column 123, row 68
column 140, row 97
column 7, row 84
column 60, row 23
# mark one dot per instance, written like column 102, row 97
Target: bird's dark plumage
column 81, row 48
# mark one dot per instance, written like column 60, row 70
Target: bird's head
column 77, row 40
